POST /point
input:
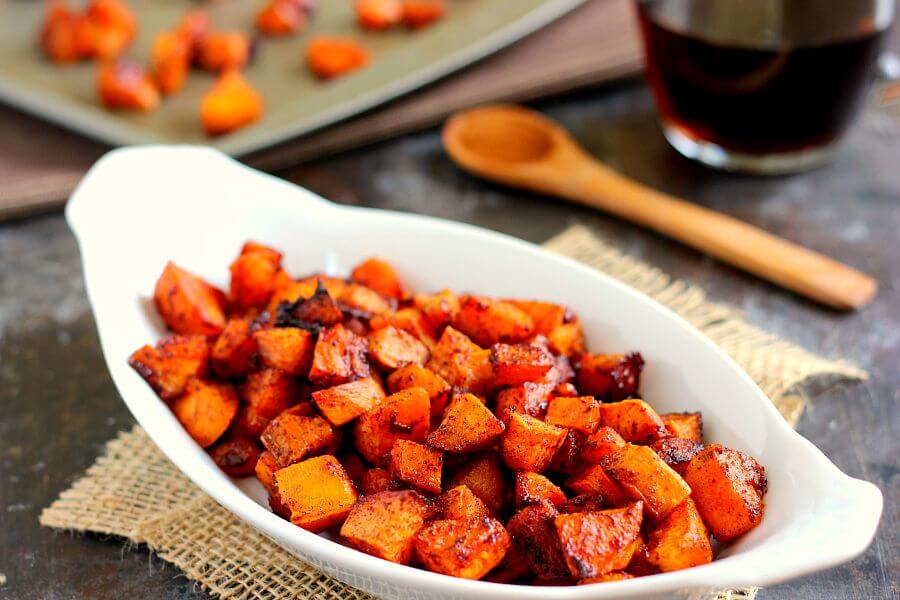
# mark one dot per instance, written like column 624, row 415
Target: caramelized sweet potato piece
column 233, row 351
column 461, row 362
column 385, row 524
column 253, row 276
column 107, row 30
column 410, row 320
column 610, row 377
column 530, row 444
column 281, row 17
column 581, row 413
column 237, row 457
column 269, row 392
column 567, row 339
column 467, row 549
column 484, row 477
column 584, row 503
column 58, row 38
column 329, row 57
column 288, row 349
column 318, row 492
column 319, row 309
column 124, row 85
column 680, row 540
column 223, row 51
column 170, row 61
column 687, row 425
column 339, row 357
column 488, row 321
column 194, row 25
column 467, row 426
column 378, row 14
column 635, row 421
column 677, row 452
column 381, row 276
column 291, row 438
column 421, row 13
column 566, row 458
column 413, row 375
column 513, row 568
column 188, row 304
column 601, row 447
column 527, row 399
column 515, row 364
column 206, row 410
column 728, row 487
column 596, row 543
column 363, row 300
column 266, row 467
column 643, row 475
column 249, row 423
column 404, row 415
column 594, row 480
column 533, row 488
column 418, row 465
column 459, row 503
column 168, row 366
column 439, row 309
column 231, row 103
column 376, row 480
column 392, row 348
column 546, row 316
column 533, row 532
column 343, row 403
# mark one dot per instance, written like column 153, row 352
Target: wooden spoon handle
column 730, row 240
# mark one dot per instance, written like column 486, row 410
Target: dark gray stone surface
column 59, row 406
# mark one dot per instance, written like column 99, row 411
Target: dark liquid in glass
column 772, row 96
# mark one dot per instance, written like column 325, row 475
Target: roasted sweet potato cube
column 381, row 276
column 467, row 549
column 581, row 413
column 533, row 488
column 584, row 503
column 596, row 543
column 635, row 421
column 124, row 85
column 281, row 17
column 566, row 458
column 339, row 357
column 329, row 57
column 354, row 465
column 418, row 465
column 677, row 452
column 610, row 377
column 109, row 26
column 230, row 104
column 232, row 353
column 221, row 51
column 594, row 480
column 533, row 532
column 468, row 425
column 680, row 540
column 527, row 399
column 384, row 524
column 460, row 502
column 404, row 415
column 567, row 339
column 249, row 423
column 291, row 438
column 188, row 304
column 168, row 366
column 546, row 316
column 266, row 467
column 439, row 309
column 170, row 61
column 515, row 364
column 484, row 477
column 206, row 410
column 236, row 457
column 461, row 362
column 288, row 349
column 439, row 391
column 410, row 320
column 317, row 491
column 513, row 568
column 530, row 444
column 488, row 321
column 601, row 447
column 728, row 487
column 254, row 276
column 363, row 300
column 643, row 475
column 343, row 403
column 269, row 392
column 376, row 480
column 59, row 33
column 392, row 348
column 313, row 307
column 687, row 425
column 378, row 14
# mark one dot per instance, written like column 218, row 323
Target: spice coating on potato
column 253, row 276
column 339, row 357
column 206, row 410
column 581, row 413
column 188, row 304
column 318, row 492
column 533, row 532
column 460, row 502
column 680, row 540
column 404, row 415
column 602, row 446
column 418, row 465
column 635, row 421
column 486, row 479
column 233, row 350
column 488, row 321
column 467, row 549
column 533, row 488
column 687, row 425
column 677, row 452
column 610, row 377
column 381, row 276
column 439, row 391
column 439, row 309
column 594, row 480
column 291, row 438
column 384, row 524
column 269, row 392
column 515, row 364
column 643, row 475
column 530, row 444
column 526, row 399
column 467, row 426
column 392, row 348
column 288, row 349
column 343, row 403
column 596, row 543
column 168, row 366
column 461, row 362
column 237, row 457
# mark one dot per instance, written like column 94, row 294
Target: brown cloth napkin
column 134, row 492
column 41, row 163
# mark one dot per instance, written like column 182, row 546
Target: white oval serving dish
column 138, row 208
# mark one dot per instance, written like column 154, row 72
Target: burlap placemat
column 134, row 492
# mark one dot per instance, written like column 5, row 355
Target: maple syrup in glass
column 765, row 86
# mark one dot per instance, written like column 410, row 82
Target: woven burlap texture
column 134, row 492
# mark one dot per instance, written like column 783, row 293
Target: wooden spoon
column 521, row 148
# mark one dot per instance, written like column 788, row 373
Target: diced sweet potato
column 314, row 311
column 567, row 339
column 439, row 309
column 467, row 426
column 421, row 13
column 318, row 492
column 378, row 14
column 124, row 85
column 601, row 447
column 596, row 543
column 410, row 320
column 254, row 276
column 237, row 457
column 546, row 316
column 291, row 438
column 168, row 366
column 376, row 480
column 381, row 277
column 488, row 321
column 108, row 28
column 266, row 467
column 231, row 103
column 188, row 304
column 584, row 503
column 459, row 503
column 206, row 410
column 363, row 301
column 385, row 524
column 404, row 415
column 418, row 465
column 515, row 364
column 467, row 549
column 249, row 423
column 533, row 488
column 677, row 452
column 635, row 421
column 530, row 444
column 610, row 377
column 643, row 475
column 221, row 51
column 59, row 33
column 170, row 60
column 269, row 392
column 680, row 540
column 513, row 568
column 439, row 391
column 194, row 25
column 343, row 403
column 728, row 488
column 484, row 477
column 339, row 357
column 233, row 350
column 281, row 17
column 581, row 413
column 687, row 425
column 288, row 349
column 461, row 362
column 594, row 480
column 329, row 57
column 533, row 532
column 392, row 348
column 527, row 399
column 354, row 465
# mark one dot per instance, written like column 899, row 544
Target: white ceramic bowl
column 138, row 208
